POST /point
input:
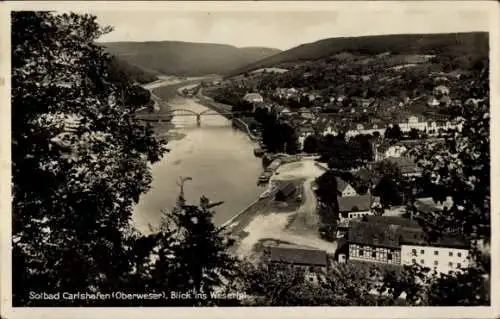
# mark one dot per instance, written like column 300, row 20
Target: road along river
column 217, row 157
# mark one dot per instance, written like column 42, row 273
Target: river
column 217, row 157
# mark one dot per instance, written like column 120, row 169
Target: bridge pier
column 198, row 120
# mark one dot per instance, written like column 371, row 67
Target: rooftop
column 354, row 203
column 341, row 184
column 392, row 220
column 376, row 234
column 298, row 256
column 391, row 231
column 429, row 205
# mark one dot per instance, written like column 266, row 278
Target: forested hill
column 133, row 72
column 453, row 44
column 187, row 58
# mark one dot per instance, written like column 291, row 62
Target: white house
column 395, row 151
column 432, row 101
column 352, row 207
column 329, row 130
column 253, row 98
column 345, row 189
column 441, row 90
column 351, row 133
column 445, row 255
column 413, row 123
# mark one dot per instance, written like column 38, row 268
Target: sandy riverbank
column 270, row 221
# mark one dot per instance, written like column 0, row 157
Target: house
column 445, row 100
column 384, row 151
column 441, row 79
column 432, row 101
column 253, row 98
column 413, row 122
column 312, row 97
column 374, row 242
column 445, row 254
column 313, row 261
column 406, row 165
column 306, row 113
column 397, row 240
column 354, row 206
column 294, row 255
column 345, row 189
column 329, row 130
column 377, row 238
column 441, row 90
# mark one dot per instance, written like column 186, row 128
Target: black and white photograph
column 232, row 154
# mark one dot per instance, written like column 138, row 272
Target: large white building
column 414, row 122
column 442, row 256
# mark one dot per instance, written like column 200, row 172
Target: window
column 422, row 251
column 361, row 252
column 389, row 256
column 459, row 265
column 413, row 261
column 414, row 251
column 436, row 252
column 459, row 254
column 451, row 254
column 374, row 254
column 435, row 263
column 450, row 264
column 422, row 262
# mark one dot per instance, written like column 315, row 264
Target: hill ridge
column 456, row 43
column 186, row 58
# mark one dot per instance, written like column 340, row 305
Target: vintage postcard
column 249, row 159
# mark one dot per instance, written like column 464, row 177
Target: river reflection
column 218, row 158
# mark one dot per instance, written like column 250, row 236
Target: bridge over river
column 179, row 112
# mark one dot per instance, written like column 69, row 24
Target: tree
column 388, row 191
column 191, row 255
column 310, row 144
column 261, row 115
column 361, row 148
column 414, row 134
column 342, row 285
column 328, row 208
column 393, row 132
column 336, row 152
column 74, row 135
column 279, row 137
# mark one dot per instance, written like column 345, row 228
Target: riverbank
column 267, row 219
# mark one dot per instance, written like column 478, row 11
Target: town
column 294, row 166
column 366, row 139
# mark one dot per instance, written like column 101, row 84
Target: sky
column 282, row 29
